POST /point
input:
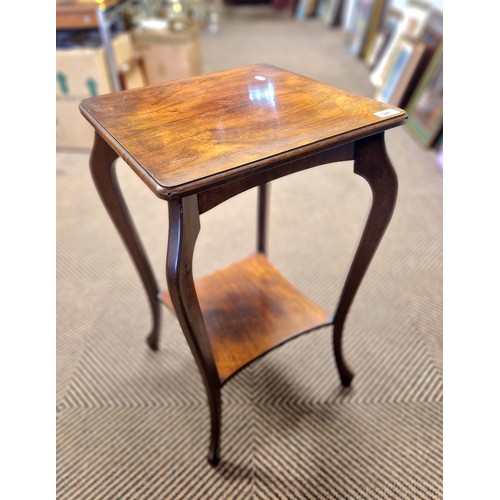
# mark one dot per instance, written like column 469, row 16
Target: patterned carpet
column 132, row 423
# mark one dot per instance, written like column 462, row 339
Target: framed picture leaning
column 425, row 108
column 403, row 72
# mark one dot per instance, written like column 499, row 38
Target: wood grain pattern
column 249, row 308
column 182, row 135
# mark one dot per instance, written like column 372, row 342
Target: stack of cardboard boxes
column 82, row 71
column 167, row 54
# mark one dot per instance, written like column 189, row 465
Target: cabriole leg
column 103, row 170
column 372, row 163
column 184, row 226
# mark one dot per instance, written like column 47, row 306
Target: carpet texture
column 132, row 423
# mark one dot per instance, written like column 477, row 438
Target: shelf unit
column 249, row 309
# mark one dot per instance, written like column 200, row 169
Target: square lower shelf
column 249, row 308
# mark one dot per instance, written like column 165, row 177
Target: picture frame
column 386, row 32
column 412, row 25
column 377, row 15
column 330, row 12
column 404, row 70
column 432, row 34
column 358, row 26
column 425, row 108
column 304, row 8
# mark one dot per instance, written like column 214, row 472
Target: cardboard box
column 169, row 55
column 82, row 72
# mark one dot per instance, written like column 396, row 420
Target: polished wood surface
column 183, row 136
column 249, row 308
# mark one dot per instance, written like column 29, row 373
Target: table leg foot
column 213, row 459
column 345, row 373
column 152, row 339
column 215, row 424
column 102, row 167
column 372, row 163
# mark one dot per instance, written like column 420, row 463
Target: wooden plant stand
column 198, row 142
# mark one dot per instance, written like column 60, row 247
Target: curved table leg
column 184, row 226
column 372, row 163
column 102, row 167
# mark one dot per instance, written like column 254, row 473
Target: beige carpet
column 132, row 423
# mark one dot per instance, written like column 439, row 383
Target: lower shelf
column 249, row 308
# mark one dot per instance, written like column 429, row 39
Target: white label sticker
column 386, row 112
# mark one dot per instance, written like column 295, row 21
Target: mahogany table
column 198, row 142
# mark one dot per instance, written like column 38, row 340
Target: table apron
column 218, row 194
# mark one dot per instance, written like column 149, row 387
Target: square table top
column 185, row 133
